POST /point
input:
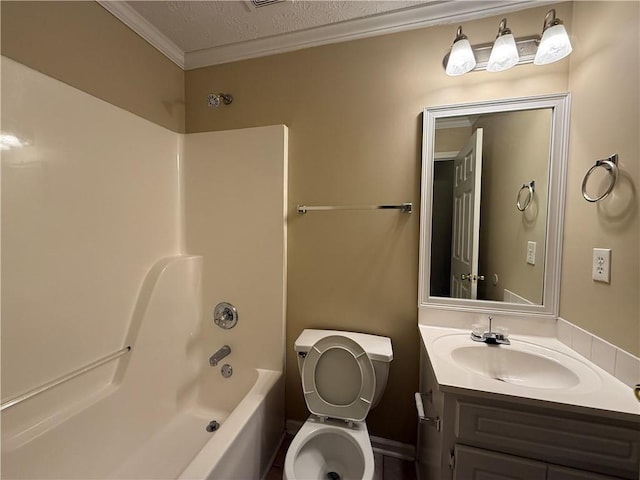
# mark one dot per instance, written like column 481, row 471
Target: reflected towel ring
column 530, row 187
column 611, row 165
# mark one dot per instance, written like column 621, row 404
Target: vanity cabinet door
column 578, row 442
column 477, row 464
column 562, row 473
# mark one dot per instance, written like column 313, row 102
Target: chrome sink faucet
column 219, row 355
column 490, row 337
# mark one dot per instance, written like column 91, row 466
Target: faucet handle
column 503, row 332
column 477, row 329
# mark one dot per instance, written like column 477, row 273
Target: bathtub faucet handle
column 219, row 355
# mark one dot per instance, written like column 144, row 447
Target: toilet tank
column 378, row 350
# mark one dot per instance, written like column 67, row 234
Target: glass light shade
column 504, row 54
column 461, row 58
column 554, row 45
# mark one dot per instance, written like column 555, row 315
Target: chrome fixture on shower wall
column 214, row 99
column 225, row 315
column 507, row 51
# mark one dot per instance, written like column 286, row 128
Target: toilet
column 343, row 376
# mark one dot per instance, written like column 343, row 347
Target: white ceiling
column 199, row 25
column 199, row 33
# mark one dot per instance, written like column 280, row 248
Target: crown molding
column 136, row 22
column 420, row 16
column 433, row 13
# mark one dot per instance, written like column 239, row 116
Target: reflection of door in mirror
column 465, row 237
column 514, row 151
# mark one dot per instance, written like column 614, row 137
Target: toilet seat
column 318, row 398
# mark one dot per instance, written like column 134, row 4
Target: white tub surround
column 235, row 200
column 151, row 421
column 90, row 202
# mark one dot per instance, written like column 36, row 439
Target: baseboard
column 383, row 446
column 273, row 457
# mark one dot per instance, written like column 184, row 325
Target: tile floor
column 387, row 468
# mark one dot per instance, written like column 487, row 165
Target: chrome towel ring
column 611, row 165
column 530, row 188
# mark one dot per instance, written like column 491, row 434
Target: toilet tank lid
column 377, row 347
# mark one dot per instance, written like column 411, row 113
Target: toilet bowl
column 329, row 450
column 343, row 376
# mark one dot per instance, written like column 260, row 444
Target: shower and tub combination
column 167, row 414
column 114, row 362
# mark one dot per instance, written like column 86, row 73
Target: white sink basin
column 515, row 366
column 532, row 367
column 521, row 363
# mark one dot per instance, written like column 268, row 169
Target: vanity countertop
column 596, row 390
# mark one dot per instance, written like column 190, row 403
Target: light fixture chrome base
column 527, row 47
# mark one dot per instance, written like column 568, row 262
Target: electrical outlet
column 531, row 253
column 601, row 271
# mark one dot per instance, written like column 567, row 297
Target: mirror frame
column 560, row 105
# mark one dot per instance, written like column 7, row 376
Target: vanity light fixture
column 504, row 53
column 508, row 51
column 555, row 44
column 461, row 59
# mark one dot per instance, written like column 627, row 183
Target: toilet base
column 330, row 450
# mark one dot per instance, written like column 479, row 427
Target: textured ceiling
column 199, row 25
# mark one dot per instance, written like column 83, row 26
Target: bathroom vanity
column 517, row 412
column 531, row 408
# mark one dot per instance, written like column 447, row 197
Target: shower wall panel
column 89, row 203
column 235, row 196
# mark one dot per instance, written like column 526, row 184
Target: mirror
column 493, row 178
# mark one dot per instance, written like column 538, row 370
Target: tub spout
column 219, row 355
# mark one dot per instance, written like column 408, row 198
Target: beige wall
column 605, row 119
column 354, row 117
column 515, row 151
column 82, row 44
column 451, row 139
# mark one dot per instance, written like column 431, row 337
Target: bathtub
column 149, row 421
